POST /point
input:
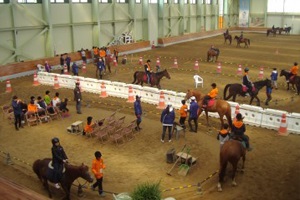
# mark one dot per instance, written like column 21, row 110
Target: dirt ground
column 271, row 170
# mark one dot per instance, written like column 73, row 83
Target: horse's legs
column 234, row 168
column 206, row 115
column 222, row 120
column 234, row 97
column 46, row 185
column 221, row 175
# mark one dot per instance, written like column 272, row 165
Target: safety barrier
column 254, row 115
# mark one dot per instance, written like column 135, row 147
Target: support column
column 50, row 51
column 96, row 23
column 199, row 15
column 161, row 20
column 145, row 7
column 131, row 10
column 72, row 26
column 181, row 18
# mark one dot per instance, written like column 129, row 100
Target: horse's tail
column 134, row 77
column 225, row 91
column 35, row 168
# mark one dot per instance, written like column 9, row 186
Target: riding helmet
column 295, row 63
column 214, row 85
column 98, row 154
column 55, row 140
column 148, row 61
column 246, row 69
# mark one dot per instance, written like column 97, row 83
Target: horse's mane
column 160, row 72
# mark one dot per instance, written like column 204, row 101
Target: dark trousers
column 195, row 120
column 205, row 100
column 269, row 98
column 148, row 76
column 169, row 131
column 57, row 168
column 18, row 120
column 78, row 106
column 182, row 121
column 98, row 184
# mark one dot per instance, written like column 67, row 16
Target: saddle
column 50, row 166
column 245, row 88
column 292, row 78
column 238, row 138
column 210, row 103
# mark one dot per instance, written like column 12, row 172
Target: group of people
column 59, row 158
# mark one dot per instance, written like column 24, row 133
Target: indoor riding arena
column 271, row 168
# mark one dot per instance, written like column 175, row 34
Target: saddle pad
column 50, row 166
column 211, row 102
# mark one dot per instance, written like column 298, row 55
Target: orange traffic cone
column 103, row 91
column 219, row 68
column 261, row 73
column 65, row 69
column 8, row 86
column 130, row 95
column 196, row 66
column 141, row 61
column 283, row 126
column 161, row 103
column 239, row 71
column 237, row 109
column 56, row 83
column 175, row 63
column 35, row 80
column 83, row 67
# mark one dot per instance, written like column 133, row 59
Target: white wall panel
column 83, row 37
column 60, row 13
column 5, row 14
column 153, row 23
column 24, row 12
column 82, row 12
column 62, row 40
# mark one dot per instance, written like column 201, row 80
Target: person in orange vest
column 211, row 95
column 293, row 71
column 97, row 169
column 183, row 114
column 148, row 70
column 223, row 135
column 89, row 127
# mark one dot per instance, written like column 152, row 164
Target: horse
column 213, row 53
column 244, row 40
column 227, row 37
column 42, row 170
column 273, row 31
column 220, row 106
column 279, row 30
column 237, row 89
column 141, row 77
column 287, row 30
column 294, row 81
column 232, row 151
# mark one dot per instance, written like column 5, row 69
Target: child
column 97, row 169
column 89, row 127
column 183, row 114
column 63, row 108
column 269, row 96
column 223, row 135
column 274, row 77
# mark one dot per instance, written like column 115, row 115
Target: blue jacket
column 167, row 118
column 137, row 108
column 75, row 68
column 100, row 65
column 274, row 75
column 17, row 107
column 194, row 107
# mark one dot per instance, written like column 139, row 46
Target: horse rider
column 211, row 95
column 227, row 32
column 239, row 129
column 241, row 36
column 273, row 28
column 246, row 81
column 59, row 157
column 293, row 72
column 148, row 70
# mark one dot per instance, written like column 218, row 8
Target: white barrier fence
column 254, row 115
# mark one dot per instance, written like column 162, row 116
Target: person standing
column 116, row 54
column 194, row 110
column 47, row 67
column 223, row 135
column 75, row 69
column 62, row 63
column 148, row 71
column 167, row 119
column 138, row 112
column 59, row 157
column 97, row 169
column 77, row 98
column 83, row 55
column 17, row 107
column 269, row 94
column 101, row 67
column 183, row 114
column 274, row 76
column 247, row 82
column 68, row 62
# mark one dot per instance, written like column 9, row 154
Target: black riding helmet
column 214, row 85
column 98, row 154
column 55, row 140
column 246, row 69
column 295, row 63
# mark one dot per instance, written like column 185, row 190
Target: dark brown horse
column 294, row 81
column 211, row 54
column 227, row 37
column 232, row 151
column 244, row 40
column 42, row 170
column 287, row 30
column 220, row 106
column 141, row 77
column 273, row 31
column 237, row 89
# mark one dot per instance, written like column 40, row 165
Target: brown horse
column 227, row 37
column 211, row 54
column 232, row 151
column 141, row 77
column 237, row 89
column 273, row 31
column 220, row 106
column 244, row 40
column 294, row 81
column 42, row 170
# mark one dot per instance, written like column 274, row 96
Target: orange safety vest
column 32, row 108
column 95, row 51
column 98, row 165
column 102, row 53
column 294, row 70
column 183, row 111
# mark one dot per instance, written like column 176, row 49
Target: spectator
column 89, row 127
column 274, row 77
column 75, row 69
column 47, row 67
column 41, row 102
column 56, row 99
column 62, row 63
column 77, row 98
column 194, row 110
column 101, row 67
column 116, row 54
column 47, row 98
column 138, row 112
column 63, row 106
column 32, row 107
column 68, row 62
column 17, row 107
column 183, row 114
column 97, row 169
column 83, row 55
column 167, row 119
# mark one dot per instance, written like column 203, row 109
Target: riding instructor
column 148, row 70
column 247, row 82
column 59, row 157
